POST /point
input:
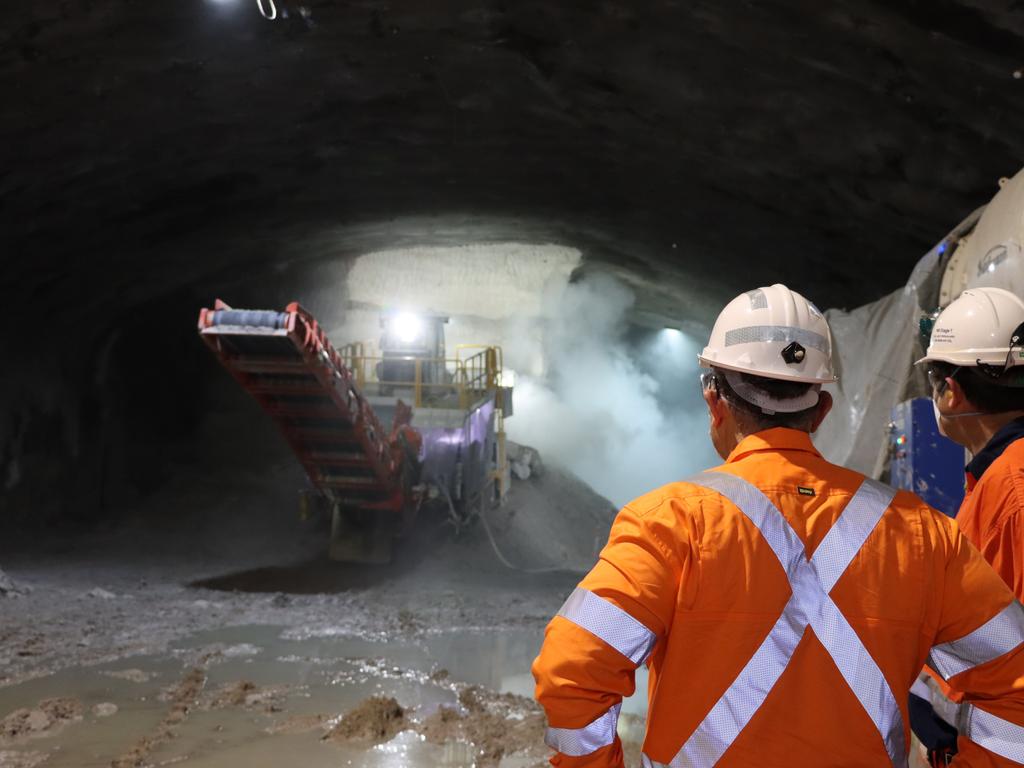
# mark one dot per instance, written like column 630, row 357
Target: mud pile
column 550, row 518
column 496, row 724
column 376, row 720
column 182, row 698
column 9, row 588
column 42, row 720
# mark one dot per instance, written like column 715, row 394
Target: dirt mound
column 49, row 715
column 551, row 520
column 238, row 694
column 183, row 698
column 376, row 720
column 496, row 724
column 8, row 587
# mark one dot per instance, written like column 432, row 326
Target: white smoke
column 625, row 420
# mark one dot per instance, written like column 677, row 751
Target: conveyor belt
column 285, row 361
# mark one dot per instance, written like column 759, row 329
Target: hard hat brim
column 764, row 375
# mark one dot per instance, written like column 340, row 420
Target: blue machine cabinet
column 923, row 461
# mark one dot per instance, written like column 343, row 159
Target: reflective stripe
column 577, row 742
column 921, row 690
column 809, row 605
column 782, row 333
column 610, row 623
column 993, row 733
column 757, row 299
column 996, row 637
column 861, row 672
column 846, row 537
column 743, row 698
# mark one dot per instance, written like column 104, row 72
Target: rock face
column 849, row 136
column 156, row 154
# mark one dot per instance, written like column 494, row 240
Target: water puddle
column 262, row 697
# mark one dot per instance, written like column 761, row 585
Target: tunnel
column 338, row 331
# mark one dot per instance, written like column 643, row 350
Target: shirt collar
column 995, row 447
column 776, row 439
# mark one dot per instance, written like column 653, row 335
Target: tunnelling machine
column 378, row 435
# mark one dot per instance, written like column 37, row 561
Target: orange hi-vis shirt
column 991, row 515
column 992, row 512
column 784, row 606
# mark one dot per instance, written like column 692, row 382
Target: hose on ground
column 507, row 564
column 494, row 544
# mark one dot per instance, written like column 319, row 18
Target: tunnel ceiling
column 150, row 145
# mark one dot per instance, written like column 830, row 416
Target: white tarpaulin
column 874, row 348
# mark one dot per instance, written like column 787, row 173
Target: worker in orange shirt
column 783, row 605
column 975, row 364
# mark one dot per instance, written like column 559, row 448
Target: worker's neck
column 979, row 431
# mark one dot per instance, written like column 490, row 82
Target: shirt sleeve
column 1003, row 547
column 997, row 523
column 978, row 649
column 608, row 627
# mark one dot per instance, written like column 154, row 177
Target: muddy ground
column 179, row 643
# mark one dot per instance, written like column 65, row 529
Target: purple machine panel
column 460, row 459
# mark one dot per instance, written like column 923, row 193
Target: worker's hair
column 983, row 392
column 750, row 418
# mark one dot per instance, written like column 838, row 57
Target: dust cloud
column 625, row 416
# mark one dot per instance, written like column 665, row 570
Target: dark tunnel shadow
column 316, row 576
column 320, row 574
column 431, row 548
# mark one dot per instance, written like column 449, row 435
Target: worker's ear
column 821, row 409
column 953, row 394
column 716, row 406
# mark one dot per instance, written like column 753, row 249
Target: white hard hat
column 775, row 333
column 978, row 329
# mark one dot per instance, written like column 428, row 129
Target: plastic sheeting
column 874, row 348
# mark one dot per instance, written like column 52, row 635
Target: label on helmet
column 943, row 335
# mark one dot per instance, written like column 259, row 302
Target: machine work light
column 407, row 327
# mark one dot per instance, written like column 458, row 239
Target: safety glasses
column 937, row 378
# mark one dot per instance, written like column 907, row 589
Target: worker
column 975, row 365
column 783, row 604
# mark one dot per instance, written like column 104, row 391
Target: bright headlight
column 407, row 327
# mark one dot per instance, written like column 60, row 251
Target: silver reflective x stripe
column 784, row 333
column 610, row 623
column 809, row 605
column 993, row 733
column 997, row 636
column 622, row 632
column 577, row 742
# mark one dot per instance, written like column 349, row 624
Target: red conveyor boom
column 286, row 362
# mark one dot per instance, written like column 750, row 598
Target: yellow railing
column 433, row 381
column 350, row 353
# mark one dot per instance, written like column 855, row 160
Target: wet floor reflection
column 276, row 681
